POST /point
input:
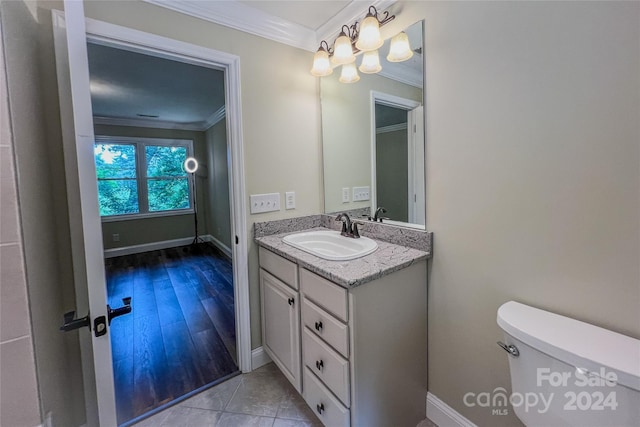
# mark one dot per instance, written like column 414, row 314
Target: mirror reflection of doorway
column 150, row 114
column 399, row 160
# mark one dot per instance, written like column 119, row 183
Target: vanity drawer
column 280, row 267
column 328, row 365
column 328, row 409
column 333, row 331
column 330, row 296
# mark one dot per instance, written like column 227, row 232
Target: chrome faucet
column 349, row 229
column 378, row 215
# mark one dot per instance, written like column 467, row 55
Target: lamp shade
column 399, row 50
column 349, row 74
column 369, row 38
column 321, row 63
column 370, row 62
column 342, row 50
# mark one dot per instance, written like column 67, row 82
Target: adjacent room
column 160, row 154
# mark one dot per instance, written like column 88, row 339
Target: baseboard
column 444, row 415
column 259, row 357
column 153, row 246
column 218, row 244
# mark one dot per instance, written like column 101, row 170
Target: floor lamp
column 191, row 166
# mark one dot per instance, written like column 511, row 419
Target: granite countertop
column 385, row 260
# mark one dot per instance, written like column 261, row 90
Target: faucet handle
column 356, row 232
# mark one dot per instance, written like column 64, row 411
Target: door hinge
column 237, row 240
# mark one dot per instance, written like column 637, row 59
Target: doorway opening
column 397, row 151
column 161, row 154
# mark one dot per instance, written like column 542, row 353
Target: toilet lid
column 574, row 342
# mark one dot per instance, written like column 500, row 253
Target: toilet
column 565, row 372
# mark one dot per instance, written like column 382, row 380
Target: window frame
column 141, row 175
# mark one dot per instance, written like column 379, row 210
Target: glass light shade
column 342, row 50
column 370, row 62
column 321, row 64
column 349, row 74
column 399, row 50
column 369, row 38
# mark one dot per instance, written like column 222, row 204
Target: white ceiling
column 127, row 86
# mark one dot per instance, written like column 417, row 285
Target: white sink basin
column 331, row 245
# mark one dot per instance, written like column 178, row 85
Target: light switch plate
column 345, row 195
column 360, row 194
column 261, row 203
column 290, row 200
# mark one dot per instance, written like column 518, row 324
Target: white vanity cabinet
column 363, row 350
column 281, row 314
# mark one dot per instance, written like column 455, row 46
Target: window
column 142, row 176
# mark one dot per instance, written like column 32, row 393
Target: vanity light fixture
column 370, row 62
column 354, row 39
column 399, row 49
column 321, row 63
column 349, row 74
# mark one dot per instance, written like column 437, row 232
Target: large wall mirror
column 373, row 138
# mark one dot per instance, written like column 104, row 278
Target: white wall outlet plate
column 261, row 203
column 290, row 200
column 345, row 195
column 360, row 194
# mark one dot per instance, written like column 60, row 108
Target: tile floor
column 262, row 398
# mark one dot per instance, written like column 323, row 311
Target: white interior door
column 86, row 235
column 417, row 205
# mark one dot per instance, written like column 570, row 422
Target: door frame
column 138, row 41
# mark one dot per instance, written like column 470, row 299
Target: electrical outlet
column 115, row 237
column 345, row 195
column 290, row 200
column 264, row 202
column 360, row 194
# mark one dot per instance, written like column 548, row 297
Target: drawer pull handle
column 320, row 408
column 318, row 326
column 319, row 365
column 290, row 301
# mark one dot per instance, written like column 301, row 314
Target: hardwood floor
column 180, row 335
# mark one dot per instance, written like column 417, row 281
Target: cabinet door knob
column 290, row 301
column 320, row 408
column 318, row 326
column 319, row 364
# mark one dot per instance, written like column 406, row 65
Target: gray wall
column 217, row 180
column 533, row 175
column 35, row 243
column 149, row 230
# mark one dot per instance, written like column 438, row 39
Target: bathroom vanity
column 351, row 336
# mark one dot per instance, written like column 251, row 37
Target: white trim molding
column 239, row 16
column 245, row 18
column 220, row 114
column 392, row 128
column 218, row 244
column 152, row 123
column 259, row 358
column 444, row 415
column 146, row 247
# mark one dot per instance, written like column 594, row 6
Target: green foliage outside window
column 166, row 187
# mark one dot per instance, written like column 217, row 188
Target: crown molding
column 391, row 128
column 241, row 17
column 215, row 117
column 150, row 123
column 399, row 72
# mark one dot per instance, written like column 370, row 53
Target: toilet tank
column 568, row 372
